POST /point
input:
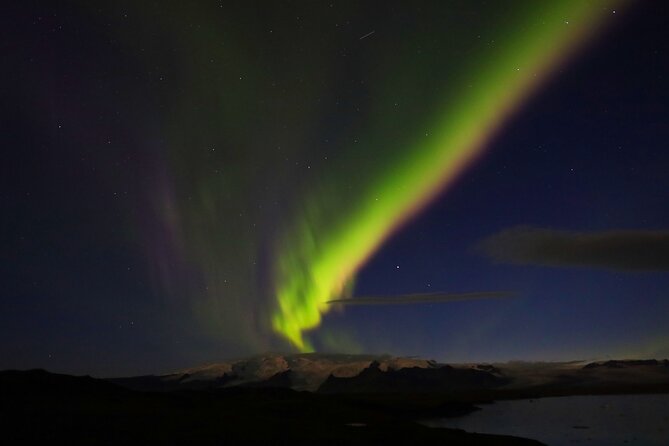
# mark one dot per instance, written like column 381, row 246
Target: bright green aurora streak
column 320, row 253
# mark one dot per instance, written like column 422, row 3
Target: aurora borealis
column 191, row 180
column 318, row 259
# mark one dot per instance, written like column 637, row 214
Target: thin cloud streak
column 421, row 298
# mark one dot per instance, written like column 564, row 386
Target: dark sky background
column 153, row 156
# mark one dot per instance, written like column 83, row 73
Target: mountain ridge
column 332, row 373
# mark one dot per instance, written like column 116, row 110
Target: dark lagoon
column 606, row 420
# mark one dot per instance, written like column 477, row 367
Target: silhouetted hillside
column 412, row 380
column 619, row 364
column 153, row 383
column 38, row 407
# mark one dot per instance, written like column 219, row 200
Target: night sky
column 184, row 182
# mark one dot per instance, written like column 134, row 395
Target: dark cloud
column 420, row 298
column 620, row 250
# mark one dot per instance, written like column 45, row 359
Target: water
column 606, row 420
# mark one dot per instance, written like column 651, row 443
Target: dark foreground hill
column 38, row 407
column 443, row 379
column 352, row 399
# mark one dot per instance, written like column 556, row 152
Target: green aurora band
column 331, row 237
